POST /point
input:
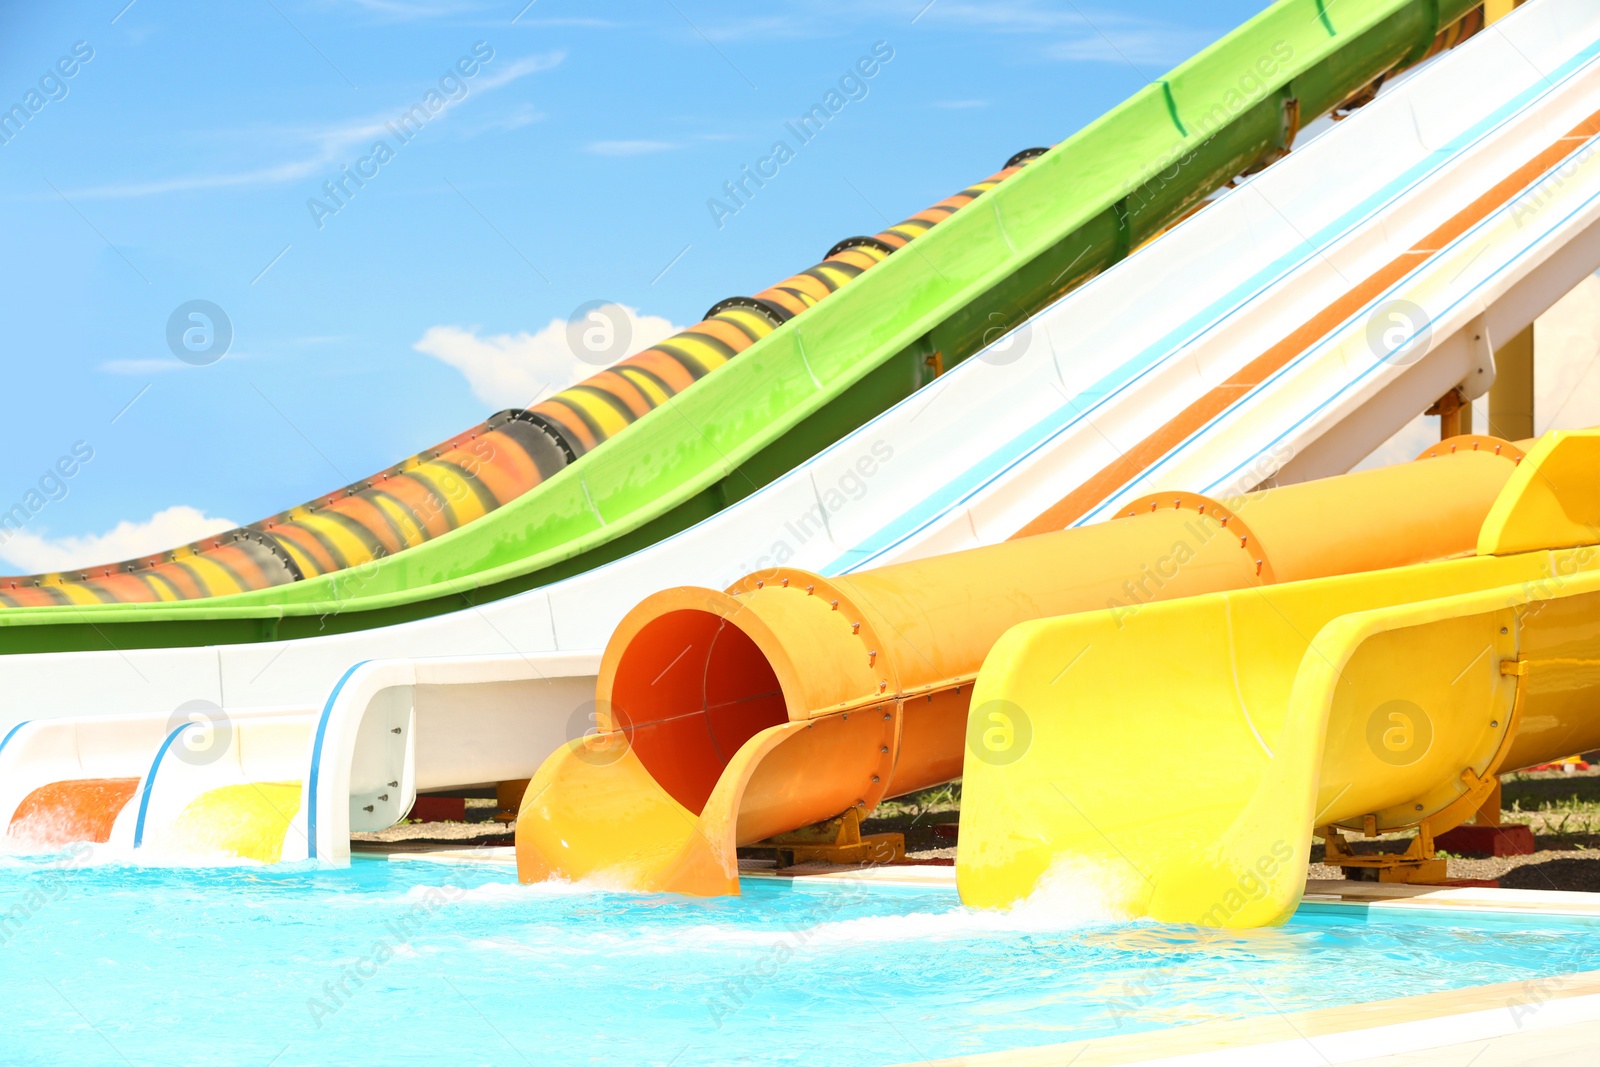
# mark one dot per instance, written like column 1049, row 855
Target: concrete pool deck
column 1546, row 1021
column 1553, row 1020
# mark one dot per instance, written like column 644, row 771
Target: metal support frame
column 838, row 841
column 1511, row 395
column 1417, row 865
column 1455, row 414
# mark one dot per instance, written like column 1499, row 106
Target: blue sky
column 575, row 163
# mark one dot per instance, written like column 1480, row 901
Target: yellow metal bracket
column 1417, row 865
column 838, row 841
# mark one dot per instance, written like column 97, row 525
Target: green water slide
column 1069, row 215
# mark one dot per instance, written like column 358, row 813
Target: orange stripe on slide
column 63, row 813
column 727, row 333
column 182, row 579
column 668, row 370
column 784, row 298
column 241, row 563
column 123, row 588
column 33, row 596
column 854, row 257
column 805, row 284
column 1191, row 419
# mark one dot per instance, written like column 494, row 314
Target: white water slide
column 1371, row 271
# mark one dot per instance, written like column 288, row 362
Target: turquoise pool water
column 422, row 963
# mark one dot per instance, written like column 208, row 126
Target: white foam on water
column 1070, row 897
column 45, row 833
column 91, row 854
column 814, row 926
column 446, row 893
column 517, row 892
column 56, row 859
column 1081, row 890
column 171, row 856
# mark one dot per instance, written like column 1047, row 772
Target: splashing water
column 423, row 963
column 63, row 813
column 247, row 821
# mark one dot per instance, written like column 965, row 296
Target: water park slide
column 690, row 769
column 485, row 691
column 792, row 698
column 1063, row 218
column 207, row 782
column 1036, row 414
column 1182, row 755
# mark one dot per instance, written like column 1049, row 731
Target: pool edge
column 1522, row 1014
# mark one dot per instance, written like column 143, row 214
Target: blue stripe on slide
column 316, row 761
column 965, row 486
column 13, row 733
column 150, row 782
column 1362, row 376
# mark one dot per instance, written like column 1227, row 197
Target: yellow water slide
column 1180, row 757
column 792, row 700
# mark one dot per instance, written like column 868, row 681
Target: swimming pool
column 425, row 963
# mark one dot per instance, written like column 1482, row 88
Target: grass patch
column 940, row 799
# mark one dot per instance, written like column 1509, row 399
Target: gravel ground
column 454, row 833
column 916, row 821
column 1555, row 870
column 1552, row 867
column 932, row 854
column 1568, row 861
column 1565, row 869
column 1563, row 811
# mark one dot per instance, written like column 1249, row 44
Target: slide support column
column 1511, row 395
column 1455, row 415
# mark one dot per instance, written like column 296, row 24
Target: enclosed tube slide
column 1103, row 365
column 475, row 472
column 1070, row 214
column 729, row 717
column 1370, row 702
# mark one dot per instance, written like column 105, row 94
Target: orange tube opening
column 690, row 689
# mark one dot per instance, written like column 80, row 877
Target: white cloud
column 514, row 370
column 1023, row 16
column 628, row 148
column 333, row 144
column 763, row 27
column 522, row 115
column 1566, row 379
column 1131, row 46
column 521, row 68
column 1092, row 34
column 403, row 11
column 140, row 366
column 34, row 553
column 161, row 365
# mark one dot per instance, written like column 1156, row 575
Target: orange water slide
column 61, row 813
column 790, row 699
